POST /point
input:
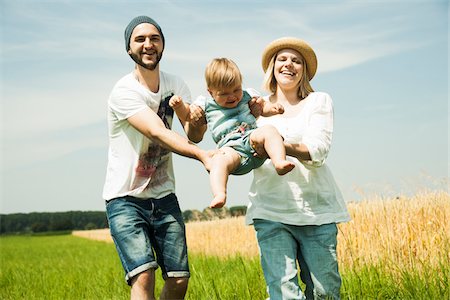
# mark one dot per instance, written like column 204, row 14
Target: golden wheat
column 402, row 232
column 226, row 237
column 405, row 231
column 95, row 234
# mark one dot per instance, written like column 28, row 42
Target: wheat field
column 401, row 233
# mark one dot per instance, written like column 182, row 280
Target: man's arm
column 195, row 129
column 191, row 116
column 149, row 124
column 195, row 133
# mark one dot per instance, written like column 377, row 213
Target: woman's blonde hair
column 221, row 73
column 270, row 83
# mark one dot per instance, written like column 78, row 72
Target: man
column 143, row 212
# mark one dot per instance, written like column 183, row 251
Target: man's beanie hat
column 135, row 22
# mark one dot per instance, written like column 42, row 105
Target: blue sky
column 385, row 64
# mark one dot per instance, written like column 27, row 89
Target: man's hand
column 207, row 159
column 197, row 115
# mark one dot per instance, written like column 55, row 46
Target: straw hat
column 291, row 43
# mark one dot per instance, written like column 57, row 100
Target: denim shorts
column 143, row 229
column 313, row 247
column 248, row 162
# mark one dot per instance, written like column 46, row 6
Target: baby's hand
column 271, row 109
column 175, row 101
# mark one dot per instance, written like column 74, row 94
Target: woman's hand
column 260, row 151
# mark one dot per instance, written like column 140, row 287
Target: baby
column 233, row 127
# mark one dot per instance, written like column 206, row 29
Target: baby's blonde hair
column 221, row 73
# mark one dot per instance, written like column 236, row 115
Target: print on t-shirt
column 153, row 164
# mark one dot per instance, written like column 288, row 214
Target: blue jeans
column 142, row 228
column 313, row 247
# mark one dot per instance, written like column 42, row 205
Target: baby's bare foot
column 284, row 167
column 218, row 201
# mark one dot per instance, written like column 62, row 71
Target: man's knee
column 178, row 283
column 143, row 285
column 145, row 279
column 174, row 288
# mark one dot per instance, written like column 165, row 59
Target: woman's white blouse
column 308, row 195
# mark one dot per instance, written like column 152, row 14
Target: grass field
column 396, row 249
column 69, row 267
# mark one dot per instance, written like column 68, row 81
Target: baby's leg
column 223, row 163
column 274, row 146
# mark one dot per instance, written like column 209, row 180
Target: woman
column 295, row 215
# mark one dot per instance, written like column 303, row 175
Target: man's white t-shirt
column 138, row 166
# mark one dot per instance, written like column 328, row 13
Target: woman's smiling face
column 288, row 68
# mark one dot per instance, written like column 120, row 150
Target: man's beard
column 148, row 66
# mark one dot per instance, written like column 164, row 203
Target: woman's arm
column 300, row 151
column 318, row 134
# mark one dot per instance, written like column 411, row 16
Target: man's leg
column 128, row 222
column 170, row 247
column 143, row 286
column 174, row 288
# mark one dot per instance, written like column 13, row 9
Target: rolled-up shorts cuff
column 140, row 269
column 177, row 274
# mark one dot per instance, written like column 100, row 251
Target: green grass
column 384, row 281
column 59, row 267
column 67, row 267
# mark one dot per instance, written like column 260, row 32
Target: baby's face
column 228, row 97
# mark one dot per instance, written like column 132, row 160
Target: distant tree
column 39, row 222
column 39, row 227
column 237, row 211
column 192, row 215
column 87, row 220
column 187, row 215
column 90, row 226
column 198, row 215
column 60, row 223
column 216, row 213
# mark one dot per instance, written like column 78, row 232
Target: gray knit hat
column 135, row 22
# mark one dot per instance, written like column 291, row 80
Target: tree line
column 86, row 220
